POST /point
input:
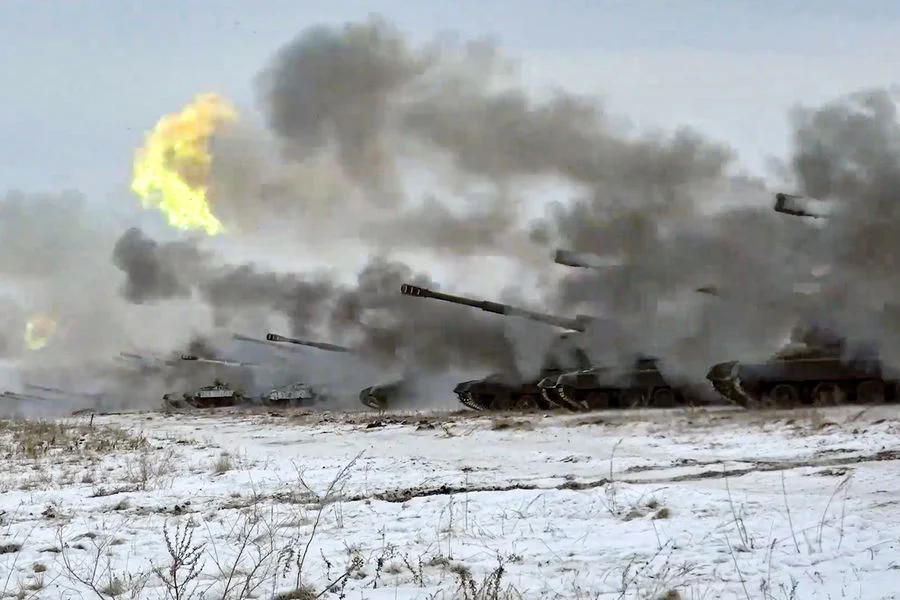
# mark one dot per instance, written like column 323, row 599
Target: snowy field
column 240, row 504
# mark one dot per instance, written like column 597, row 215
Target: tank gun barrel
column 23, row 397
column 252, row 340
column 146, row 361
column 579, row 323
column 274, row 337
column 584, row 260
column 44, row 388
column 217, row 361
column 800, row 206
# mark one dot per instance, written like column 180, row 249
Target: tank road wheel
column 870, row 391
column 828, row 394
column 633, row 399
column 783, row 395
column 596, row 401
column 662, row 398
column 525, row 402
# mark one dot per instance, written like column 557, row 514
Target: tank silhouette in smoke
column 377, row 397
column 512, row 391
column 817, row 368
column 220, row 394
column 600, row 387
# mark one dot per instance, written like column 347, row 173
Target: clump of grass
column 223, row 464
column 304, row 592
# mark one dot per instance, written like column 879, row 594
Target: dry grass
column 34, row 439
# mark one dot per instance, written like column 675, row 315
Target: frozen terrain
column 682, row 504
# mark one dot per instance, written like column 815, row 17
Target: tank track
column 807, row 394
column 619, row 399
column 465, row 398
column 486, row 403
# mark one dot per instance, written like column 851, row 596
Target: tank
column 513, row 391
column 293, row 394
column 377, row 397
column 381, row 396
column 640, row 385
column 818, row 367
column 216, row 395
column 819, row 370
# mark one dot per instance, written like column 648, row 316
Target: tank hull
column 813, row 381
column 493, row 393
column 641, row 386
column 381, row 397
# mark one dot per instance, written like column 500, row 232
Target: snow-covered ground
column 682, row 504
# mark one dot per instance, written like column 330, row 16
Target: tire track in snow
column 404, row 495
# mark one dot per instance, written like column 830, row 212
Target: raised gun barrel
column 583, row 260
column 23, row 397
column 217, row 361
column 579, row 323
column 274, row 337
column 595, row 261
column 252, row 340
column 800, row 206
column 55, row 390
column 149, row 362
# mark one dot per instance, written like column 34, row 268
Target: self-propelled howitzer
column 512, row 391
column 817, row 368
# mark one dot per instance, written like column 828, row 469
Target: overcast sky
column 82, row 81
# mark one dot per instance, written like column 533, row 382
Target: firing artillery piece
column 511, row 391
column 817, row 368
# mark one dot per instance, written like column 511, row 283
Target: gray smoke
column 55, row 262
column 371, row 316
column 845, row 152
column 364, row 119
column 848, row 152
column 397, row 146
column 378, row 145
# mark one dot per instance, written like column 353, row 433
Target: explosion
column 172, row 168
column 38, row 332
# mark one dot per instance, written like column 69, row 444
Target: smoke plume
column 374, row 145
